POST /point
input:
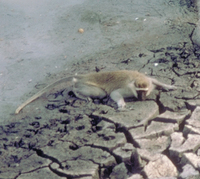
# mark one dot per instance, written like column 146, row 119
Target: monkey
column 115, row 84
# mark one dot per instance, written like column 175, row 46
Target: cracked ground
column 59, row 136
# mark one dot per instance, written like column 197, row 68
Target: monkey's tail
column 163, row 85
column 37, row 95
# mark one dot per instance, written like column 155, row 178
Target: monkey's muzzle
column 141, row 95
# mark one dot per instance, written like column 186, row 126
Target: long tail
column 163, row 85
column 37, row 95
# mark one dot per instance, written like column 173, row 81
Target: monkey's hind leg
column 87, row 92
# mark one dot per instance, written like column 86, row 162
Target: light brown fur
column 110, row 81
column 116, row 84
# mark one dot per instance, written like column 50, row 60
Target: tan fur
column 110, row 81
column 116, row 84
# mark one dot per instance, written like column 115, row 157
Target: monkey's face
column 142, row 87
column 141, row 94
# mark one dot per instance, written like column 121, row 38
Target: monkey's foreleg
column 118, row 98
column 119, row 95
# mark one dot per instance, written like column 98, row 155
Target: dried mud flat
column 59, row 136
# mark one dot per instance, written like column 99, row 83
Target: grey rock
column 155, row 129
column 76, row 168
column 61, row 151
column 155, row 145
column 196, row 34
column 193, row 123
column 134, row 117
column 169, row 102
column 119, row 172
column 41, row 173
column 169, row 116
column 17, row 160
column 129, row 155
column 191, row 144
column 198, row 152
column 136, row 176
column 167, row 178
column 102, row 158
column 177, row 139
column 189, row 172
column 125, row 152
column 106, row 138
column 188, row 129
column 192, row 159
column 192, row 104
column 160, row 166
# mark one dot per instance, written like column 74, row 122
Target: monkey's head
column 142, row 87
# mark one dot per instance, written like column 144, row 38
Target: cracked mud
column 59, row 136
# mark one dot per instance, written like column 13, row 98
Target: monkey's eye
column 143, row 85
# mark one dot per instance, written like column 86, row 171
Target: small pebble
column 81, row 30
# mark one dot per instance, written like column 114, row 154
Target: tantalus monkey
column 115, row 84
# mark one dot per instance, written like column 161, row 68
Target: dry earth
column 59, row 136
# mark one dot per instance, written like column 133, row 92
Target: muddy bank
column 40, row 39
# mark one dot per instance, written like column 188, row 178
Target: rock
column 76, row 168
column 155, row 129
column 146, row 155
column 105, row 125
column 188, row 129
column 159, row 166
column 119, row 172
column 192, row 104
column 192, row 159
column 18, row 160
column 131, row 118
column 169, row 102
column 167, row 178
column 136, row 176
column 189, row 172
column 191, row 144
column 177, row 139
column 155, row 145
column 128, row 154
column 110, row 141
column 65, row 151
column 176, row 117
column 59, row 150
column 125, row 152
column 40, row 173
column 196, row 35
column 102, row 158
column 193, row 123
column 104, row 138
